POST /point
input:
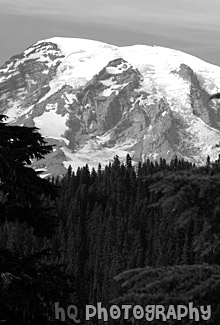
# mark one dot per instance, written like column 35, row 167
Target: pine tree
column 21, row 188
column 28, row 285
column 173, row 285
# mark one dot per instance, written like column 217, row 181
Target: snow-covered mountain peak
column 95, row 100
column 67, row 45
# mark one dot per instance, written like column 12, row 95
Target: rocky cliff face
column 24, row 78
column 94, row 100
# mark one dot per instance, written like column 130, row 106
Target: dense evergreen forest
column 146, row 233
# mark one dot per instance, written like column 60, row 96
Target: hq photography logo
column 137, row 312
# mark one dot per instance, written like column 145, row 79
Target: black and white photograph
column 109, row 162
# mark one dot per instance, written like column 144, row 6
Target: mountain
column 94, row 101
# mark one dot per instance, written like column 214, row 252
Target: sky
column 192, row 26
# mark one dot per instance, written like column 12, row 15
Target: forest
column 126, row 233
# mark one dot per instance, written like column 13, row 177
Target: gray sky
column 189, row 25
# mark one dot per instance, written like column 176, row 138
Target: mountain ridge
column 95, row 100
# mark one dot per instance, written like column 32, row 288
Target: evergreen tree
column 28, row 285
column 173, row 285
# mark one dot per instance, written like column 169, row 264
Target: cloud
column 114, row 10
column 138, row 15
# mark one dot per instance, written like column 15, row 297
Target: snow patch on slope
column 15, row 111
column 52, row 125
column 95, row 152
column 205, row 137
